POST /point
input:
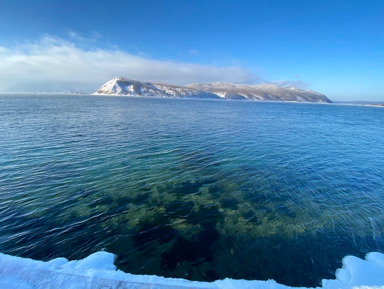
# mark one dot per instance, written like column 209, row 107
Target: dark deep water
column 201, row 190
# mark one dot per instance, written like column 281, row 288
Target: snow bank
column 97, row 271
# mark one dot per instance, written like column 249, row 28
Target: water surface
column 201, row 190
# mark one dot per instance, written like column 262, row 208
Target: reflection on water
column 201, row 190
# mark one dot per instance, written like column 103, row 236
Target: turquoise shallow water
column 201, row 190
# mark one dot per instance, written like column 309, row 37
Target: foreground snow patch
column 98, row 271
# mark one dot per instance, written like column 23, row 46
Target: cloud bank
column 57, row 65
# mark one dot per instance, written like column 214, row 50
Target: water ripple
column 192, row 189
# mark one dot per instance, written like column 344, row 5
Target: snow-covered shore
column 98, row 271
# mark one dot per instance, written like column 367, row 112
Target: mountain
column 214, row 90
column 128, row 87
column 264, row 92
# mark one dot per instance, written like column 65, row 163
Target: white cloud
column 53, row 64
column 296, row 83
column 92, row 37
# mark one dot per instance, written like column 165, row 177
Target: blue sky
column 334, row 47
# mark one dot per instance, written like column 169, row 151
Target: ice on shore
column 98, row 271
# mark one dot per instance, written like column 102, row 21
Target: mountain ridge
column 261, row 92
column 129, row 87
column 212, row 90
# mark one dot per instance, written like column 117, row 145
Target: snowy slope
column 214, row 90
column 128, row 87
column 97, row 271
column 266, row 92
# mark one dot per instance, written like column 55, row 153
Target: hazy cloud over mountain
column 54, row 64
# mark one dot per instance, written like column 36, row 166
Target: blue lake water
column 201, row 190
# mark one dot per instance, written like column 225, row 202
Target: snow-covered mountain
column 214, row 90
column 264, row 92
column 128, row 87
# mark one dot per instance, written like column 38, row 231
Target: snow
column 129, row 87
column 221, row 94
column 358, row 273
column 98, row 271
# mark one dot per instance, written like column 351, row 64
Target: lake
column 193, row 189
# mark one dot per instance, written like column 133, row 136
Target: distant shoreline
column 349, row 103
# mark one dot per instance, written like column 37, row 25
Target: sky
column 333, row 47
